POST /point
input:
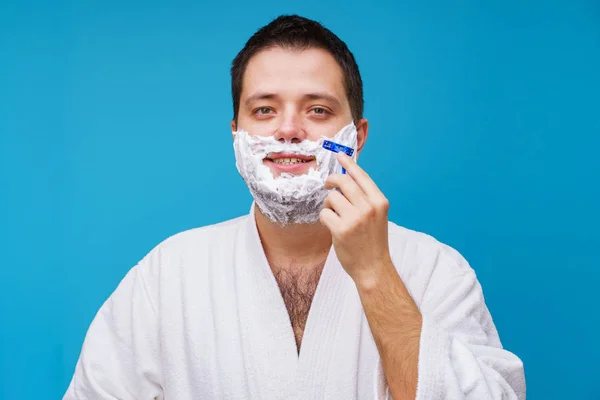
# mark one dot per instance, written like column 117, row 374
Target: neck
column 294, row 244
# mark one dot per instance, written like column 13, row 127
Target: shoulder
column 203, row 236
column 422, row 243
column 192, row 245
column 421, row 258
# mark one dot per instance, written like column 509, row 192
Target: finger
column 329, row 219
column 338, row 203
column 350, row 189
column 363, row 179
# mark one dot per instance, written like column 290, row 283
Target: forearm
column 395, row 323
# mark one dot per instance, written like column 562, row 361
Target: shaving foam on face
column 288, row 198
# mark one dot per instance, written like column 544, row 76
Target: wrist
column 372, row 278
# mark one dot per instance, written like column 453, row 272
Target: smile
column 289, row 158
column 289, row 161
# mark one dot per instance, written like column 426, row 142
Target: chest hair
column 298, row 286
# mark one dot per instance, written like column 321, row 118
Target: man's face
column 294, row 95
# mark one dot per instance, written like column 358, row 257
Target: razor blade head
column 336, row 148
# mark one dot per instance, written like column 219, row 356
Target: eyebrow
column 310, row 96
column 259, row 96
column 323, row 96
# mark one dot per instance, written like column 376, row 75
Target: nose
column 291, row 129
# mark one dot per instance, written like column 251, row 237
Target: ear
column 233, row 128
column 362, row 130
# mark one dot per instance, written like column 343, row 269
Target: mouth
column 290, row 163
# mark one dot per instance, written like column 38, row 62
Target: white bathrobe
column 202, row 317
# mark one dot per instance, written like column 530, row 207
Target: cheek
column 262, row 128
column 329, row 129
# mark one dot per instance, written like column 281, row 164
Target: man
column 314, row 294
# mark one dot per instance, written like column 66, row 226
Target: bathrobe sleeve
column 460, row 355
column 120, row 354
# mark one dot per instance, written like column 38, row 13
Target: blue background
column 114, row 134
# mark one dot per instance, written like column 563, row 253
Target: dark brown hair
column 299, row 33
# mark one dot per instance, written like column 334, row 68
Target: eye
column 263, row 111
column 319, row 111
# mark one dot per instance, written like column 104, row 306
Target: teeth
column 289, row 161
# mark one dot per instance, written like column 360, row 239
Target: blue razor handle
column 336, row 148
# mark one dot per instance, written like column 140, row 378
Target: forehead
column 290, row 72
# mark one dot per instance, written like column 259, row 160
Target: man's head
column 293, row 83
column 296, row 75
